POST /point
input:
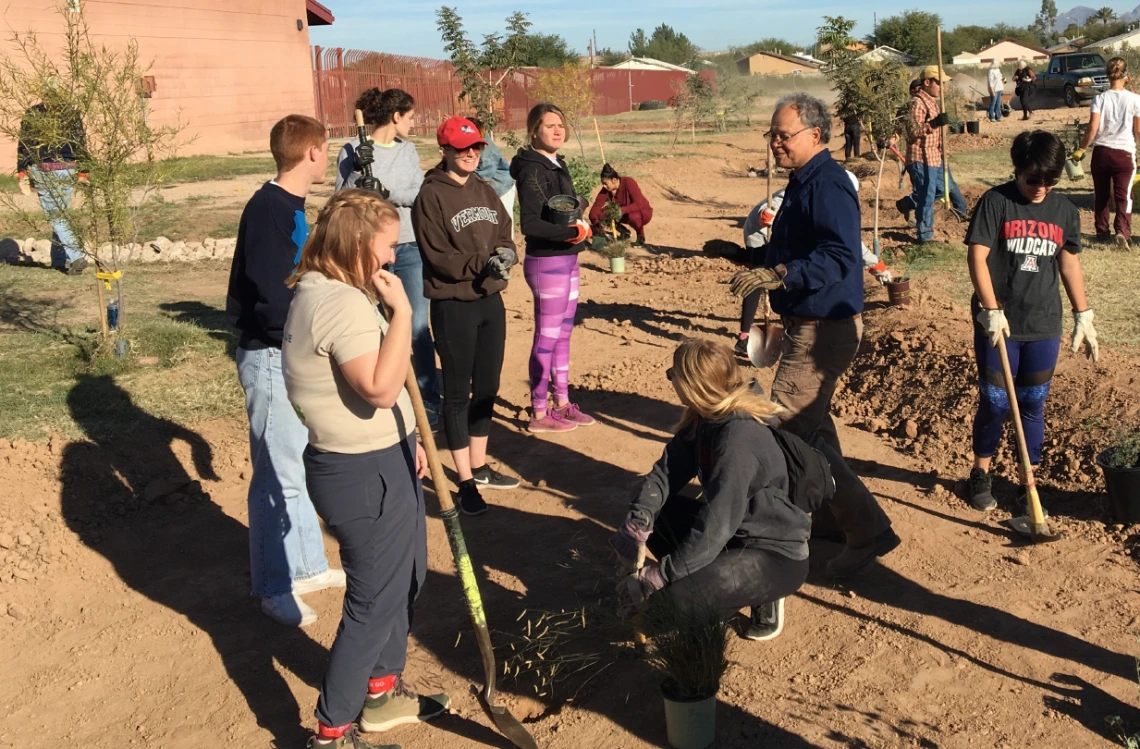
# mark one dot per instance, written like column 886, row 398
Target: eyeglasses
column 1041, row 182
column 783, row 137
column 669, row 374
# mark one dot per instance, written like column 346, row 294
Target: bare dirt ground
column 123, row 566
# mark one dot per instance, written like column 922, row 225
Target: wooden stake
column 945, row 131
column 598, row 133
column 102, row 306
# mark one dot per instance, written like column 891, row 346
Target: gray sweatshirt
column 397, row 167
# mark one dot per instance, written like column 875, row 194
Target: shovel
column 507, row 724
column 1033, row 526
column 765, row 340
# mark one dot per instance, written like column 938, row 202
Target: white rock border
column 38, row 251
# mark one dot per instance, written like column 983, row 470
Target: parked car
column 1075, row 77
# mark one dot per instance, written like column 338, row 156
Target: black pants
column 374, row 504
column 470, row 337
column 748, row 307
column 851, row 142
column 738, row 577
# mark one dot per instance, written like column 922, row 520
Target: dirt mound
column 967, row 142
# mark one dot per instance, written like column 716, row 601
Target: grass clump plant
column 689, row 640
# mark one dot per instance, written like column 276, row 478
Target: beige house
column 770, row 63
column 1130, row 38
column 1007, row 50
column 229, row 68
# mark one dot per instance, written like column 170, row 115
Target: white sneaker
column 330, row 578
column 288, row 609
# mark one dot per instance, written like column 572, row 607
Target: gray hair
column 812, row 112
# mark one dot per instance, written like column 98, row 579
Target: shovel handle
column 1036, row 515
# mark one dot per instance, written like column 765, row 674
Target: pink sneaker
column 551, row 422
column 571, row 413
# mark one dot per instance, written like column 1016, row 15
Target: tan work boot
column 400, row 706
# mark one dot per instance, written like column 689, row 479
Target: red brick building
column 229, row 68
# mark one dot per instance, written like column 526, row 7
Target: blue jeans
column 54, row 190
column 285, row 541
column 409, row 268
column 994, row 112
column 926, row 182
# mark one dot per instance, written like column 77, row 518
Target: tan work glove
column 1083, row 331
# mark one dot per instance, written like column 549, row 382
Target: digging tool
column 625, row 569
column 1032, row 526
column 765, row 339
column 598, row 133
column 366, row 172
column 942, row 107
column 507, row 724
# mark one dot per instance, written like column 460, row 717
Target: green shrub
column 1125, row 451
column 586, row 178
column 689, row 643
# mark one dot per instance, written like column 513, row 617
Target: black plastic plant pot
column 563, row 209
column 1123, row 485
column 973, row 128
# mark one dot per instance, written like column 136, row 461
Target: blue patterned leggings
column 1032, row 364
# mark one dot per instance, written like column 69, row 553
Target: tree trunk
column 878, row 185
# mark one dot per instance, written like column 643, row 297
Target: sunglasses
column 1041, row 182
column 461, row 151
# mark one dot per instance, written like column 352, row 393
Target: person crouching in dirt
column 811, row 265
column 345, row 369
column 1023, row 237
column 744, row 542
column 623, row 192
column 757, row 227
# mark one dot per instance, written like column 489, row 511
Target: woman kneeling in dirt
column 744, row 542
column 1023, row 237
column 626, row 195
column 344, row 370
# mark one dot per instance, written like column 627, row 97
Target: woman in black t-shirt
column 1022, row 238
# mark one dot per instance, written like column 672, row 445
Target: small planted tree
column 123, row 159
column 569, row 87
column 694, row 102
column 482, row 69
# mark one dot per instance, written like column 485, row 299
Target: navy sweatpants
column 374, row 504
column 1032, row 364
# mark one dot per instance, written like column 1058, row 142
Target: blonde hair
column 338, row 246
column 1117, row 69
column 712, row 385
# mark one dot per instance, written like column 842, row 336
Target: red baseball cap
column 459, row 132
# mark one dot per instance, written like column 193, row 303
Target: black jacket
column 745, row 479
column 538, row 180
column 270, row 237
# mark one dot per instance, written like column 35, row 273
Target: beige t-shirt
column 331, row 323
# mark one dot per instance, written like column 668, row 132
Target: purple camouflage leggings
column 554, row 283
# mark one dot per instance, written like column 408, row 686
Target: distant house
column 648, row 63
column 1068, row 45
column 1007, row 50
column 882, row 54
column 1118, row 42
column 771, row 63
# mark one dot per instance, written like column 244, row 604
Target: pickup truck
column 1076, row 77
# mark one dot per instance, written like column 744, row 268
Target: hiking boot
column 853, row 559
column 551, row 422
column 767, row 621
column 1122, row 243
column 288, row 609
column 572, row 414
column 1104, row 238
column 350, row 740
column 741, row 348
column 470, row 501
column 77, row 266
column 981, row 490
column 488, row 477
column 906, row 212
column 330, row 578
column 400, row 706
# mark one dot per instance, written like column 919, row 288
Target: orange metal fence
column 341, row 75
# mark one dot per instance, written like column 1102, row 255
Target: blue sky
column 408, row 27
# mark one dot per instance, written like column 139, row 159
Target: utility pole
column 594, row 47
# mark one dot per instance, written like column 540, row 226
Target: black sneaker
column 981, row 490
column 741, row 348
column 901, row 205
column 1023, row 502
column 767, row 621
column 639, row 242
column 470, row 502
column 489, row 478
column 77, row 266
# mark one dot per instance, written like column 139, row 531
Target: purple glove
column 635, row 590
column 629, row 538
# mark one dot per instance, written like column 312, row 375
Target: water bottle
column 113, row 314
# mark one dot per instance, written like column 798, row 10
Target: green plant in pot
column 615, row 250
column 689, row 641
column 1121, row 466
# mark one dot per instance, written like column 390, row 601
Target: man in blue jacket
column 812, row 266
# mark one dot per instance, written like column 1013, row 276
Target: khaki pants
column 814, row 358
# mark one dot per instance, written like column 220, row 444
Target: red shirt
column 628, row 198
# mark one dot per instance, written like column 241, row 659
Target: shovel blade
column 507, row 724
column 1038, row 533
column 765, row 342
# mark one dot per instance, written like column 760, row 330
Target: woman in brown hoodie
column 467, row 243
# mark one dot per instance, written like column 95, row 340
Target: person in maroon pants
column 635, row 209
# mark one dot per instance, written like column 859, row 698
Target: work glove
column 635, row 590
column 583, row 232
column 1084, row 331
column 747, row 281
column 994, row 323
column 25, row 184
column 629, row 539
column 501, row 261
column 1077, row 155
column 880, row 273
column 362, row 157
column 372, row 184
column 941, row 120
